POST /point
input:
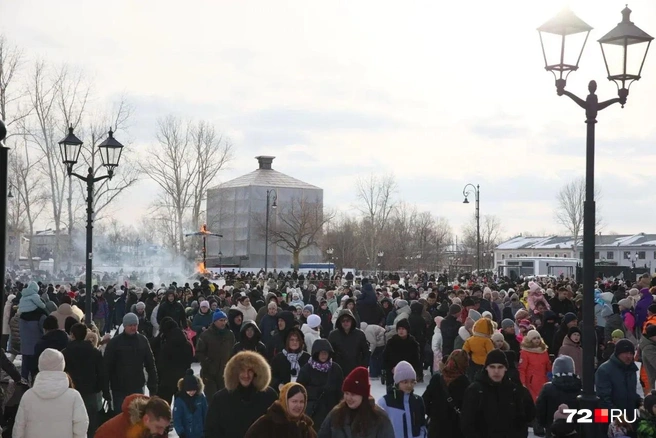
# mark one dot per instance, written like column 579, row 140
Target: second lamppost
column 563, row 58
column 110, row 153
column 271, row 202
column 468, row 190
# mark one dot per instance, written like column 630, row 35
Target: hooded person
column 322, row 378
column 464, row 333
column 349, row 343
column 250, row 339
column 286, row 417
column 171, row 307
column 401, row 347
column 190, row 407
column 572, row 347
column 286, row 365
column 548, row 329
column 51, row 407
column 245, row 398
column 367, row 305
column 479, row 345
column 565, row 386
column 534, row 363
column 203, row 319
column 311, row 330
column 444, row 396
column 64, row 311
column 285, row 322
column 140, row 416
column 173, row 356
column 235, row 321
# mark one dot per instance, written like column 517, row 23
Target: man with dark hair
column 140, row 416
column 85, row 365
column 53, row 338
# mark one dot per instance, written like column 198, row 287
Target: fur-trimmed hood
column 483, row 328
column 201, row 386
column 247, row 360
column 134, row 406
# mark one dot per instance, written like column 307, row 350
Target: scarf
column 293, row 361
column 456, row 365
column 323, row 367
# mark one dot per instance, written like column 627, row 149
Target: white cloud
column 438, row 93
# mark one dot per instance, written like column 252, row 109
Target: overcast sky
column 438, row 93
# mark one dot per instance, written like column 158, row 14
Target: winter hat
column 496, row 356
column 438, row 321
column 624, row 346
column 469, row 324
column 474, row 315
column 363, row 326
column 573, row 330
column 507, row 323
column 496, row 336
column 569, row 317
column 205, row 304
column 403, row 323
column 455, row 309
column 486, row 314
column 468, row 302
column 532, row 334
column 404, row 371
column 651, row 309
column 130, row 319
column 607, row 297
column 51, row 360
column 357, row 382
column 560, row 413
column 533, row 287
column 457, row 301
column 400, row 304
column 563, row 366
column 218, row 314
column 487, row 290
column 140, row 306
column 627, row 303
column 309, row 308
column 314, row 321
column 651, row 331
column 524, row 323
column 189, row 382
column 650, row 401
column 617, row 334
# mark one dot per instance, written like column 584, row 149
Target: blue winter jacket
column 616, row 384
column 30, row 299
column 406, row 412
column 186, row 423
column 367, row 294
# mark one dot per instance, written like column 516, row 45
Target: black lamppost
column 4, row 169
column 274, row 204
column 220, row 263
column 330, row 252
column 623, row 70
column 110, row 153
column 381, row 254
column 477, row 192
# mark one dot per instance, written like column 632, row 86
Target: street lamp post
column 623, row 70
column 110, row 153
column 477, row 192
column 220, row 263
column 4, row 168
column 381, row 254
column 271, row 202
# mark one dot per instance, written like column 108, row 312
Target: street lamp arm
column 465, row 193
column 580, row 102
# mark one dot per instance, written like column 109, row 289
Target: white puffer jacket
column 51, row 408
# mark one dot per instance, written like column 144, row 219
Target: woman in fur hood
column 245, row 398
column 534, row 363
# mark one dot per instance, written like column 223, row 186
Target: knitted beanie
column 404, row 371
column 496, row 356
column 51, row 360
column 357, row 382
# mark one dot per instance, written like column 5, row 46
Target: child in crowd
column 30, row 299
column 190, row 407
column 478, row 346
column 647, row 422
column 404, row 408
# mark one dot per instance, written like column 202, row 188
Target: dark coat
column 324, row 389
column 281, row 369
column 561, row 389
column 513, row 343
column 213, row 350
column 496, row 410
column 55, row 339
column 173, row 356
column 277, row 341
column 417, row 322
column 85, row 365
column 560, row 308
column 201, row 321
column 274, row 424
column 234, row 327
column 173, row 310
column 351, row 349
column 126, row 356
column 615, row 383
column 449, row 327
column 252, row 344
column 444, row 422
column 398, row 349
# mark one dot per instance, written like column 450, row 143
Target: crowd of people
column 288, row 355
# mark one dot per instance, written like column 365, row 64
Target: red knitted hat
column 357, row 382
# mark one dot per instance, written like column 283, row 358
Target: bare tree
column 490, row 233
column 376, row 196
column 298, row 226
column 184, row 163
column 569, row 210
column 344, row 237
column 11, row 62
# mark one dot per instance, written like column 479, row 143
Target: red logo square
column 601, row 415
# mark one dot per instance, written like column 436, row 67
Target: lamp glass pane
column 614, row 58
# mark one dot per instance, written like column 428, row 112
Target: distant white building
column 636, row 250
